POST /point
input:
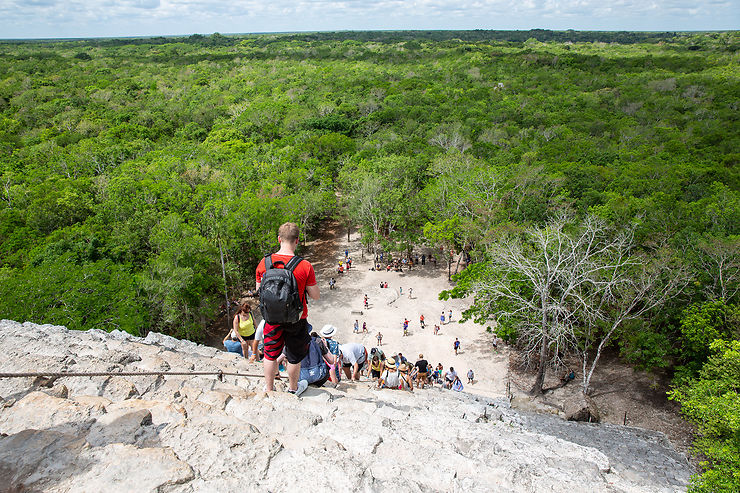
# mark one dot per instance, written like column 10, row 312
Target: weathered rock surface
column 199, row 433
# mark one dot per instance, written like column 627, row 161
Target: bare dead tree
column 524, row 287
column 568, row 287
column 367, row 206
column 720, row 258
column 451, row 140
column 626, row 290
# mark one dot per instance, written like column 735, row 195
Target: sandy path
column 387, row 310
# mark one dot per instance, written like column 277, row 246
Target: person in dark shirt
column 423, row 366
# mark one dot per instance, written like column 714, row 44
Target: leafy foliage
column 105, row 144
column 712, row 402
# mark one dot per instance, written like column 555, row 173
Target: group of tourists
column 386, row 262
column 443, row 320
column 397, row 372
column 284, row 336
column 344, row 265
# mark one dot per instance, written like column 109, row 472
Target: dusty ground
column 622, row 395
column 617, row 388
column 387, row 309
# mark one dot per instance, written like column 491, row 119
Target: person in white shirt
column 354, row 357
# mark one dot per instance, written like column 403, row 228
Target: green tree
column 182, row 279
column 701, row 325
column 81, row 296
column 712, row 402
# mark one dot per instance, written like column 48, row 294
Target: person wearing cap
column 389, row 378
column 423, row 366
column 327, row 333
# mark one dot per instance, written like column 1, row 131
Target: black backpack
column 280, row 302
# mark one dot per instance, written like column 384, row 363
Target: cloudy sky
column 87, row 18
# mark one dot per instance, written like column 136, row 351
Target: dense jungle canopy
column 129, row 167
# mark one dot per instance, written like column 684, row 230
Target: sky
column 105, row 18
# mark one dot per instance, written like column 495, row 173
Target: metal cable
column 124, row 374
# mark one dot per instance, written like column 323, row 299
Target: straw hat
column 403, row 367
column 328, row 330
column 390, row 362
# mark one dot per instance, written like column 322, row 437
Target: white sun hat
column 328, row 330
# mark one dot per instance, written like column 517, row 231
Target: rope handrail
column 49, row 374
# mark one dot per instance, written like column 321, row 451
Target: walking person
column 449, row 318
column 456, row 345
column 421, row 321
column 356, row 328
column 442, row 318
column 380, row 339
column 286, row 326
column 364, row 328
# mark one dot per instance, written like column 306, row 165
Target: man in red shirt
column 293, row 337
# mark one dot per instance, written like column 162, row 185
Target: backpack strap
column 293, row 263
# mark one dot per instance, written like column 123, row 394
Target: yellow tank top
column 377, row 367
column 246, row 327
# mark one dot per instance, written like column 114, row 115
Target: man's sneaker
column 302, row 386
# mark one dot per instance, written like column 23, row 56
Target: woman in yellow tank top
column 243, row 329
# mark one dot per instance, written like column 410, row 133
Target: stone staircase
column 199, row 433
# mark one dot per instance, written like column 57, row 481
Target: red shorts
column 295, row 338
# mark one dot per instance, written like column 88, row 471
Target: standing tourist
column 423, row 366
column 286, row 326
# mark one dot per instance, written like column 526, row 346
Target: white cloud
column 80, row 18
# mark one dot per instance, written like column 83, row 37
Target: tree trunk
column 226, row 290
column 459, row 257
column 540, row 380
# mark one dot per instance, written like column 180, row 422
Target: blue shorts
column 234, row 347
